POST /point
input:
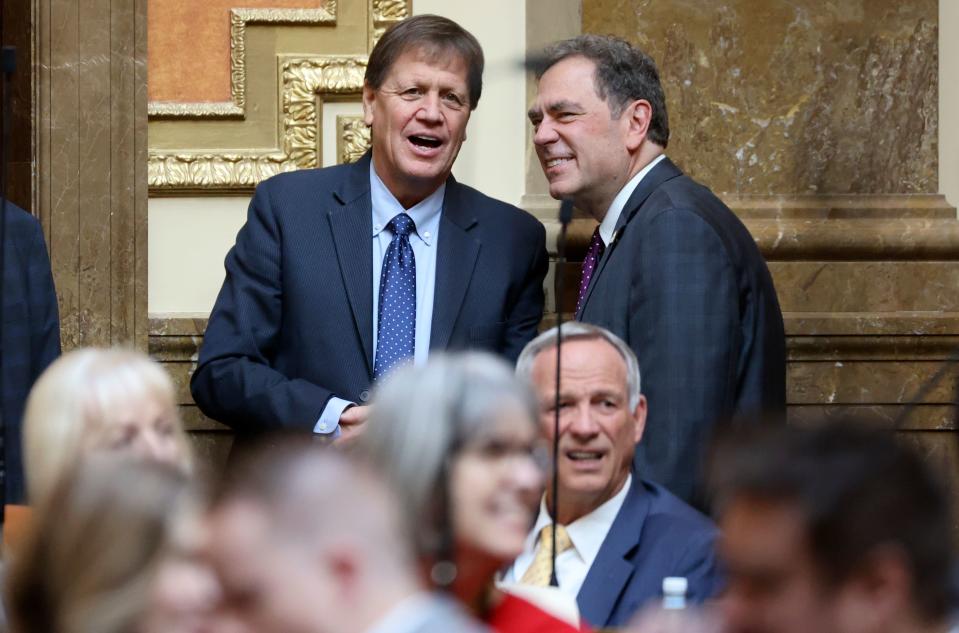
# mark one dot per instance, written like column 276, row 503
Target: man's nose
column 544, row 133
column 582, row 423
column 430, row 110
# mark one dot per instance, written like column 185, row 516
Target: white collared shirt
column 423, row 240
column 587, row 534
column 608, row 225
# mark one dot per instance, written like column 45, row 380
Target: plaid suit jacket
column 684, row 284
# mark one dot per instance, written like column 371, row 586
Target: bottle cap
column 675, row 586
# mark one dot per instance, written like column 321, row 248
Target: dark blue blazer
column 293, row 324
column 684, row 284
column 31, row 332
column 654, row 535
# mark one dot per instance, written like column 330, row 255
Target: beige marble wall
column 949, row 100
column 798, row 96
column 91, row 164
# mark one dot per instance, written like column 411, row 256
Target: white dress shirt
column 587, row 534
column 608, row 225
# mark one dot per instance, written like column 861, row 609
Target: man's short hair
column 309, row 491
column 435, row 36
column 858, row 488
column 623, row 74
column 576, row 331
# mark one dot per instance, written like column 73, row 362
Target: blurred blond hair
column 91, row 558
column 71, row 407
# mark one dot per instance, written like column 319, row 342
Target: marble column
column 90, row 119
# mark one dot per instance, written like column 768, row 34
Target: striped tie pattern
column 540, row 569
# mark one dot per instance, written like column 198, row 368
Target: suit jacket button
column 364, row 395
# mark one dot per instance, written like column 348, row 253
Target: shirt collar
column 589, row 531
column 425, row 214
column 608, row 225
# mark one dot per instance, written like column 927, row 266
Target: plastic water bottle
column 674, row 593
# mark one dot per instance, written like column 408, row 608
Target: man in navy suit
column 340, row 274
column 618, row 535
column 31, row 332
column 670, row 269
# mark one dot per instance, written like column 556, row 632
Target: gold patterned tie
column 539, row 570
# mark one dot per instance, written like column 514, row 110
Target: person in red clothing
column 458, row 440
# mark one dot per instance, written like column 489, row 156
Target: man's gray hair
column 575, row 331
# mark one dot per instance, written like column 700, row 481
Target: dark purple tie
column 593, row 255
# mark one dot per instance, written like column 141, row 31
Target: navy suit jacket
column 293, row 324
column 31, row 332
column 684, row 284
column 654, row 535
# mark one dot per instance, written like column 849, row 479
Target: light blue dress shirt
column 426, row 217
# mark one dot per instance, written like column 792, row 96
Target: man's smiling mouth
column 423, row 140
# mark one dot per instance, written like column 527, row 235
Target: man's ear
column 638, row 116
column 369, row 96
column 639, row 416
column 880, row 590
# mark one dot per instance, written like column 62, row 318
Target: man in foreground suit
column 298, row 557
column 618, row 535
column 670, row 268
column 341, row 273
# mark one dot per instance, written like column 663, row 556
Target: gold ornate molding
column 385, row 13
column 304, row 81
column 352, row 138
column 239, row 20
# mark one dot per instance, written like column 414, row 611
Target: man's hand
column 352, row 424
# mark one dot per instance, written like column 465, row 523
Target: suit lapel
column 352, row 227
column 659, row 174
column 455, row 261
column 611, row 571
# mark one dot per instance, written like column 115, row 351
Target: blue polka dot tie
column 396, row 329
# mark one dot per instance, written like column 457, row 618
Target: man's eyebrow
column 557, row 106
column 563, row 104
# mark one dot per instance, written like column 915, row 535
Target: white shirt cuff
column 329, row 422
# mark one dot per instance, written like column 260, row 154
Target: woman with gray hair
column 458, row 440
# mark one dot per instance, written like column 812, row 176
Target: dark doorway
column 16, row 29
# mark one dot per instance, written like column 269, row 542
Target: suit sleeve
column 235, row 381
column 523, row 320
column 43, row 310
column 683, row 326
column 702, row 570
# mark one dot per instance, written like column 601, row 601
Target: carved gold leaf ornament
column 239, row 20
column 352, row 138
column 385, row 13
column 304, row 82
column 390, row 10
